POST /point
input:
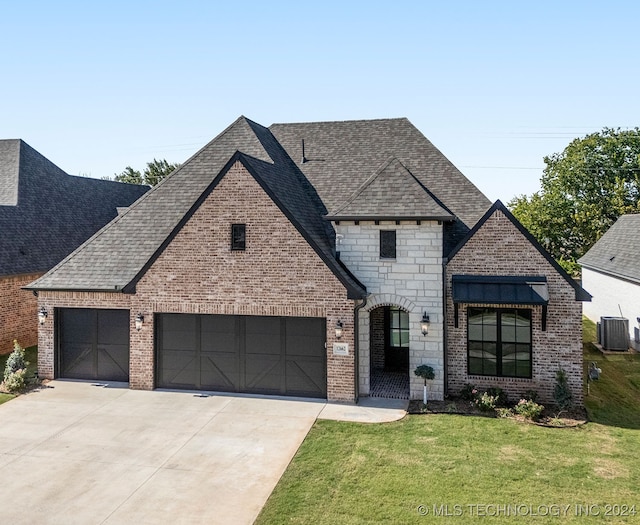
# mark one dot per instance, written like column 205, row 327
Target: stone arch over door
column 387, row 299
column 375, row 301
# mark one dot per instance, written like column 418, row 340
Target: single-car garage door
column 266, row 355
column 93, row 344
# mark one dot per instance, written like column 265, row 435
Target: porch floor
column 391, row 385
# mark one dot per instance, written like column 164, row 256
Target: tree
column 584, row 190
column 130, row 176
column 152, row 174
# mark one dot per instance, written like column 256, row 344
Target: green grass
column 615, row 398
column 355, row 474
column 31, row 355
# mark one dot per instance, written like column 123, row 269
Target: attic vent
column 613, row 333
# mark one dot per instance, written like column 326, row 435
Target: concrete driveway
column 77, row 453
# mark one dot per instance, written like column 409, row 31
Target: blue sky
column 496, row 86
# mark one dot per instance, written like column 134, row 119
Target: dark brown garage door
column 266, row 355
column 93, row 344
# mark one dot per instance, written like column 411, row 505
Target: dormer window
column 387, row 244
column 238, row 237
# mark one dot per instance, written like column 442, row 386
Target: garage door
column 266, row 355
column 93, row 344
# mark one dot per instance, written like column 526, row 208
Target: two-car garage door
column 267, row 355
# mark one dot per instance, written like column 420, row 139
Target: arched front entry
column 389, row 352
column 384, row 350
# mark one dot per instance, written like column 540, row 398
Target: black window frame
column 396, row 323
column 388, row 242
column 238, row 237
column 500, row 345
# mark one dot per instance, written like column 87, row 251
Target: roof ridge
column 346, row 121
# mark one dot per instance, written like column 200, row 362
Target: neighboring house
column 321, row 259
column 611, row 272
column 45, row 214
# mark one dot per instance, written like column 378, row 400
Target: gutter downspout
column 356, row 347
column 444, row 328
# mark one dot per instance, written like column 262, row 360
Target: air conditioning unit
column 613, row 333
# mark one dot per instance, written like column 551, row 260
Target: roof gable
column 114, row 256
column 119, row 255
column 617, row 252
column 392, row 192
column 580, row 293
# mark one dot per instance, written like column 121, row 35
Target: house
column 324, row 259
column 611, row 271
column 45, row 214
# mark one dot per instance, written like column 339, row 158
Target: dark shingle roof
column 342, row 156
column 617, row 252
column 392, row 192
column 117, row 256
column 45, row 213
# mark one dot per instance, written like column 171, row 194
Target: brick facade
column 499, row 248
column 18, row 312
column 278, row 274
column 377, row 338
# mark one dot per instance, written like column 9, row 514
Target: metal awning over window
column 500, row 289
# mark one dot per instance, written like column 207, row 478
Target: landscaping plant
column 15, row 370
column 425, row 372
column 561, row 393
column 529, row 409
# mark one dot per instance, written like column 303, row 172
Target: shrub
column 561, row 393
column 529, row 409
column 15, row 381
column 469, row 392
column 425, row 372
column 15, row 361
column 504, row 412
column 486, row 402
column 501, row 399
column 15, row 371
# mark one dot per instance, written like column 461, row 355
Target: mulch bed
column 573, row 417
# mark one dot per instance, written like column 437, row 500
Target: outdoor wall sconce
column 424, row 323
column 42, row 315
column 139, row 321
column 339, row 329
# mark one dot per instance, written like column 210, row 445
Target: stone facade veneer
column 411, row 281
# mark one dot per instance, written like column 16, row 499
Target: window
column 238, row 237
column 398, row 327
column 499, row 342
column 387, row 244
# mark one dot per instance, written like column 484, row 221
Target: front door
column 396, row 353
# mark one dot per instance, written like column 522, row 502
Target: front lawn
column 457, row 469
